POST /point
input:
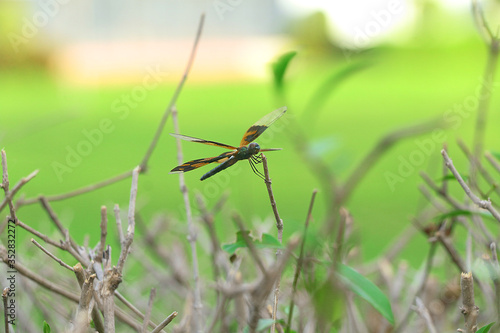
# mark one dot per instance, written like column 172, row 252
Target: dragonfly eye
column 254, row 148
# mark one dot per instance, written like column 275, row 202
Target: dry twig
column 198, row 307
column 469, row 308
column 485, row 204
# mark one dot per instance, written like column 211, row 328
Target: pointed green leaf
column 366, row 290
column 262, row 325
column 46, row 327
column 334, row 80
column 485, row 329
column 462, row 212
column 451, row 177
column 267, row 241
column 279, row 68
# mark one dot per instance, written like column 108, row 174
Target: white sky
column 359, row 20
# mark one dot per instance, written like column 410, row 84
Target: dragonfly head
column 253, row 148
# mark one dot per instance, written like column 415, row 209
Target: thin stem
column 165, row 322
column 468, row 308
column 279, row 226
column 47, row 252
column 300, row 262
column 428, row 266
column 82, row 190
column 486, row 87
column 118, row 220
column 145, row 160
column 147, row 315
column 131, row 221
column 5, row 313
column 16, row 188
column 424, row 313
column 192, row 232
column 104, row 233
column 249, row 244
column 485, row 204
column 5, row 185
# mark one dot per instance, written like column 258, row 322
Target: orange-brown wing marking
column 260, row 126
column 195, row 164
column 206, row 142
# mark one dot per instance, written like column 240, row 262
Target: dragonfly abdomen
column 220, row 167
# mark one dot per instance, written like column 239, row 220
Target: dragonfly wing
column 195, row 164
column 211, row 143
column 260, row 126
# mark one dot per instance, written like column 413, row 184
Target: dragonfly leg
column 255, row 170
column 257, row 158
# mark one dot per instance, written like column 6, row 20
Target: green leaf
column 328, row 303
column 366, row 290
column 46, row 327
column 333, row 81
column 451, row 177
column 485, row 329
column 262, row 325
column 279, row 68
column 461, row 212
column 267, row 241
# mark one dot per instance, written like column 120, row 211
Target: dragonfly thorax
column 246, row 152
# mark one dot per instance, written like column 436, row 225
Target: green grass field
column 41, row 117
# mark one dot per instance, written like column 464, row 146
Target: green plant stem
column 299, row 262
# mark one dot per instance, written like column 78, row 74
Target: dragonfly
column 247, row 150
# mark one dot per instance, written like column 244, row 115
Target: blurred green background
column 73, row 71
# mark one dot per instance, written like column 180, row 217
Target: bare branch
column 62, row 263
column 191, row 229
column 378, row 151
column 424, row 314
column 16, row 188
column 299, row 262
column 74, row 193
column 54, row 287
column 485, row 204
column 469, row 308
column 119, row 224
column 84, row 303
column 165, row 322
column 279, row 226
column 152, row 295
column 5, row 313
column 40, row 235
column 173, row 100
column 5, row 185
column 80, row 276
column 493, row 161
column 104, row 234
column 131, row 221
